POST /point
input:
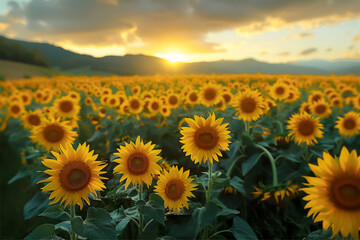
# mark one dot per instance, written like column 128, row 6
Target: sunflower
column 349, row 125
column 137, row 162
column 334, row 193
column 66, row 107
column 192, row 97
column 276, row 195
column 173, row 100
column 174, row 186
column 135, row 105
column 321, row 109
column 279, row 91
column 74, row 174
column 249, row 105
column 154, row 105
column 204, row 139
column 31, row 119
column 315, row 96
column 210, row 94
column 304, row 128
column 16, row 109
column 52, row 133
column 305, row 107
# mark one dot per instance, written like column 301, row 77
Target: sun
column 173, row 57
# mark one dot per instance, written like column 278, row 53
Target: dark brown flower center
column 134, row 104
column 173, row 100
column 66, row 106
column 349, row 124
column 34, row 120
column 75, row 176
column 320, row 109
column 155, row 106
column 345, row 193
column 206, row 138
column 210, row 94
column 316, row 98
column 53, row 133
column 248, row 105
column 306, row 127
column 193, row 97
column 174, row 189
column 279, row 90
column 137, row 163
column 15, row 109
column 112, row 101
column 226, row 97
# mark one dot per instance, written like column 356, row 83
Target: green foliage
column 97, row 225
column 14, row 51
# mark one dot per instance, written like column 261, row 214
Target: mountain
column 81, row 64
column 338, row 66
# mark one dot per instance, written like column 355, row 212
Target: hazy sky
column 191, row 30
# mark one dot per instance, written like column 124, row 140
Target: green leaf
column 55, row 212
column 120, row 219
column 19, row 175
column 65, row 225
column 242, row 230
column 154, row 208
column 246, row 140
column 44, row 231
column 204, row 216
column 36, row 205
column 238, row 184
column 234, row 148
column 319, row 235
column 250, row 163
column 97, row 225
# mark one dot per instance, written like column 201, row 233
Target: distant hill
column 80, row 64
column 17, row 70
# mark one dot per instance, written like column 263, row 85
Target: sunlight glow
column 173, row 57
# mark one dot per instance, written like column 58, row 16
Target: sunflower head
column 137, row 162
column 333, row 195
column 74, row 174
column 249, row 105
column 210, row 94
column 276, row 195
column 320, row 108
column 304, row 128
column 204, row 138
column 174, row 186
column 279, row 91
column 66, row 107
column 16, row 108
column 349, row 125
column 31, row 119
column 52, row 133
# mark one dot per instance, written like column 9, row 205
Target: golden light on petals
column 137, row 162
column 333, row 195
column 52, row 133
column 175, row 187
column 204, row 138
column 304, row 128
column 349, row 125
column 74, row 174
column 249, row 105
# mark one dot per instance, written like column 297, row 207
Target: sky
column 191, row 30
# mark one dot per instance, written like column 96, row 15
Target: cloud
column 142, row 26
column 308, row 51
column 304, row 35
column 329, row 50
column 283, row 54
column 356, row 39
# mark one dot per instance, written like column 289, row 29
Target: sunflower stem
column 228, row 173
column 141, row 220
column 247, row 128
column 272, row 162
column 208, row 192
column 73, row 236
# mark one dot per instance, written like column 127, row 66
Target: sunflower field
column 240, row 156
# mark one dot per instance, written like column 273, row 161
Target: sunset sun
column 173, row 57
